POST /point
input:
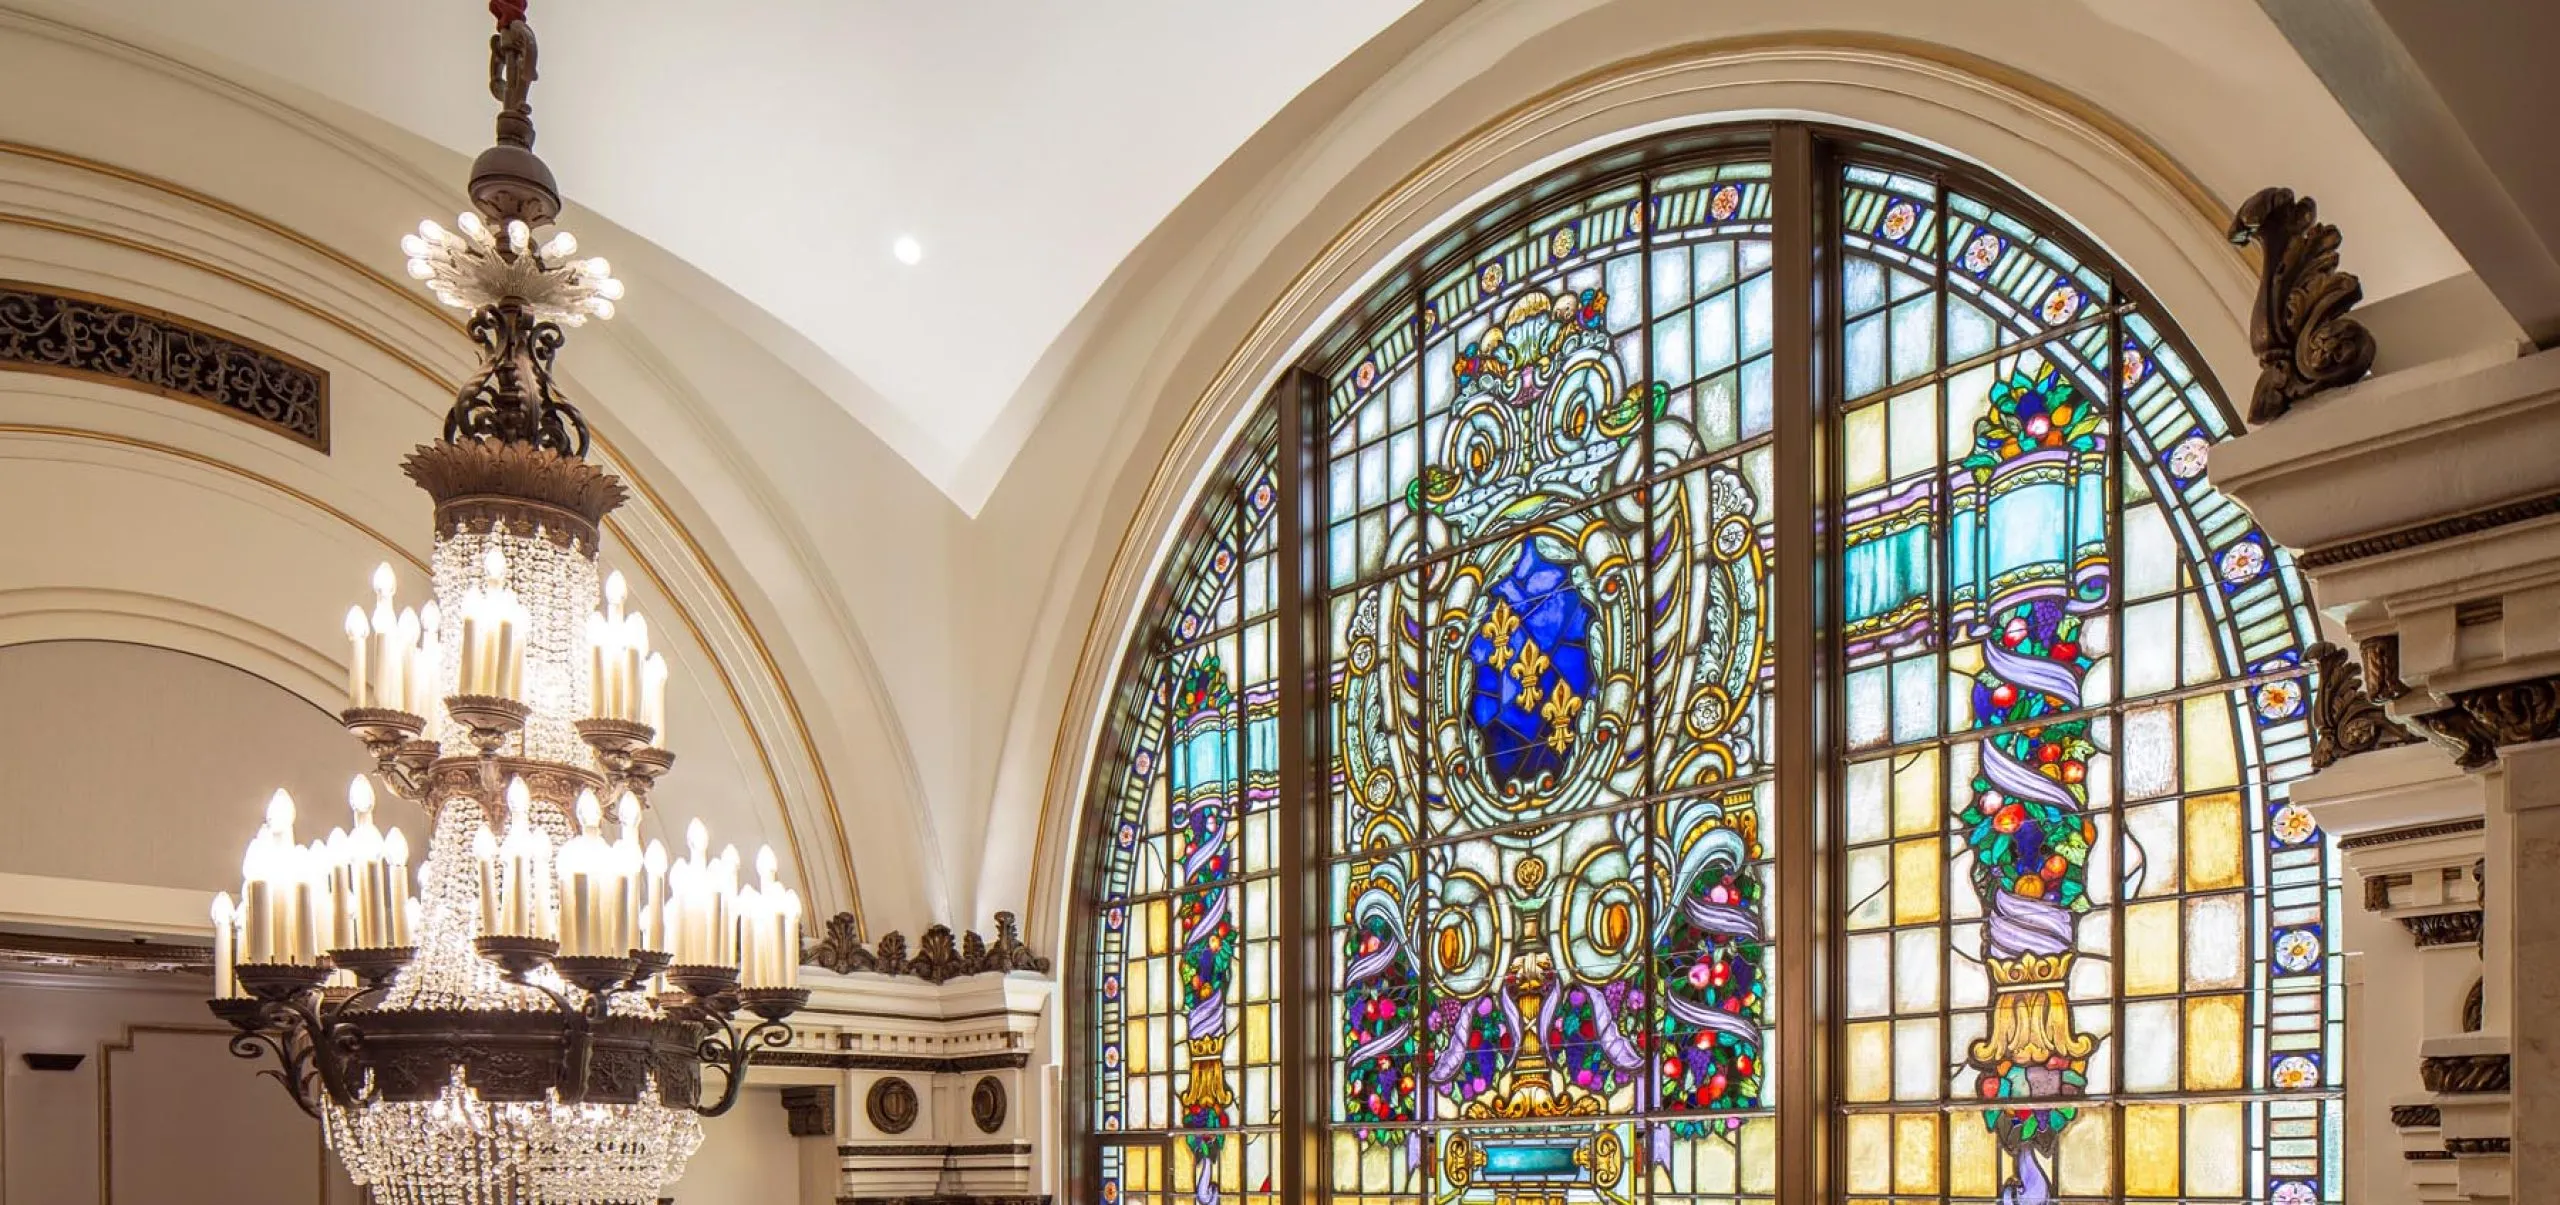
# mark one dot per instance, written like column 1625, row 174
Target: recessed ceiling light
column 907, row 249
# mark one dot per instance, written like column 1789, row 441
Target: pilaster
column 2423, row 506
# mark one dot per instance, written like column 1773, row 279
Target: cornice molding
column 2414, row 832
column 2453, row 527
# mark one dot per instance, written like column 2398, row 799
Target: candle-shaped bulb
column 696, row 837
column 615, row 590
column 430, row 620
column 493, row 568
column 766, row 866
column 360, row 799
column 626, row 812
column 590, row 813
column 280, row 812
column 221, row 911
column 654, row 858
column 519, row 800
column 395, row 847
column 635, row 631
column 729, row 859
column 484, row 844
column 357, row 629
column 383, row 581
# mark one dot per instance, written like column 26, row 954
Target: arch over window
column 1727, row 644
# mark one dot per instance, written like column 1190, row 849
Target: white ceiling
column 783, row 146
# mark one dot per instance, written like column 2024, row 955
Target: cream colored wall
column 158, row 1111
column 749, row 1157
column 132, row 764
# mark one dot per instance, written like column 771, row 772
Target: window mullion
column 1804, row 483
column 1300, row 614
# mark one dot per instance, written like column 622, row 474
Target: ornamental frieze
column 63, row 333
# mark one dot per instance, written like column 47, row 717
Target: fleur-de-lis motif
column 1498, row 628
column 1562, row 706
column 1531, row 670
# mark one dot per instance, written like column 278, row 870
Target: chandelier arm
column 729, row 1052
column 330, row 1045
column 290, row 1070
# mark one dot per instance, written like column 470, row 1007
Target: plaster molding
column 2127, row 194
column 39, row 614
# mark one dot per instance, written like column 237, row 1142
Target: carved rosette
column 891, row 1105
column 2345, row 720
column 2299, row 327
column 987, row 1104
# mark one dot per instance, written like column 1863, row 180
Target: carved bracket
column 2345, row 720
column 938, row 957
column 2510, row 713
column 2299, row 327
column 2435, row 929
column 812, row 1110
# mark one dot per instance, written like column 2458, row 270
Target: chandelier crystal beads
column 531, row 1026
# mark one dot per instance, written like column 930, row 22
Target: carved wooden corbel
column 2345, row 720
column 2299, row 327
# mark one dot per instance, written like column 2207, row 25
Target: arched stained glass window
column 1483, row 823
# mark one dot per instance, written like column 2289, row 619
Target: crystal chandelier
column 532, row 1026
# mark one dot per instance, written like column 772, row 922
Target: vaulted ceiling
column 786, row 146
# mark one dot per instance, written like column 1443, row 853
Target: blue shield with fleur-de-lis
column 1532, row 658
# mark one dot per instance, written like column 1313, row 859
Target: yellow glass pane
column 1973, row 1157
column 1760, row 1155
column 2214, row 1159
column 1257, row 1033
column 1865, row 438
column 2151, row 964
column 2087, row 1161
column 1867, row 1072
column 1915, row 793
column 2213, row 842
column 2151, row 1150
column 1915, row 1153
column 1134, row 1051
column 1712, row 1168
column 2211, row 762
column 1158, row 924
column 1916, row 866
column 2216, row 1029
column 1870, row 1152
column 1133, row 988
column 1142, row 1166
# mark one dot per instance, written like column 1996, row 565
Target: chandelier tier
column 532, row 1026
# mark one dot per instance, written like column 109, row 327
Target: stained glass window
column 2077, row 941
